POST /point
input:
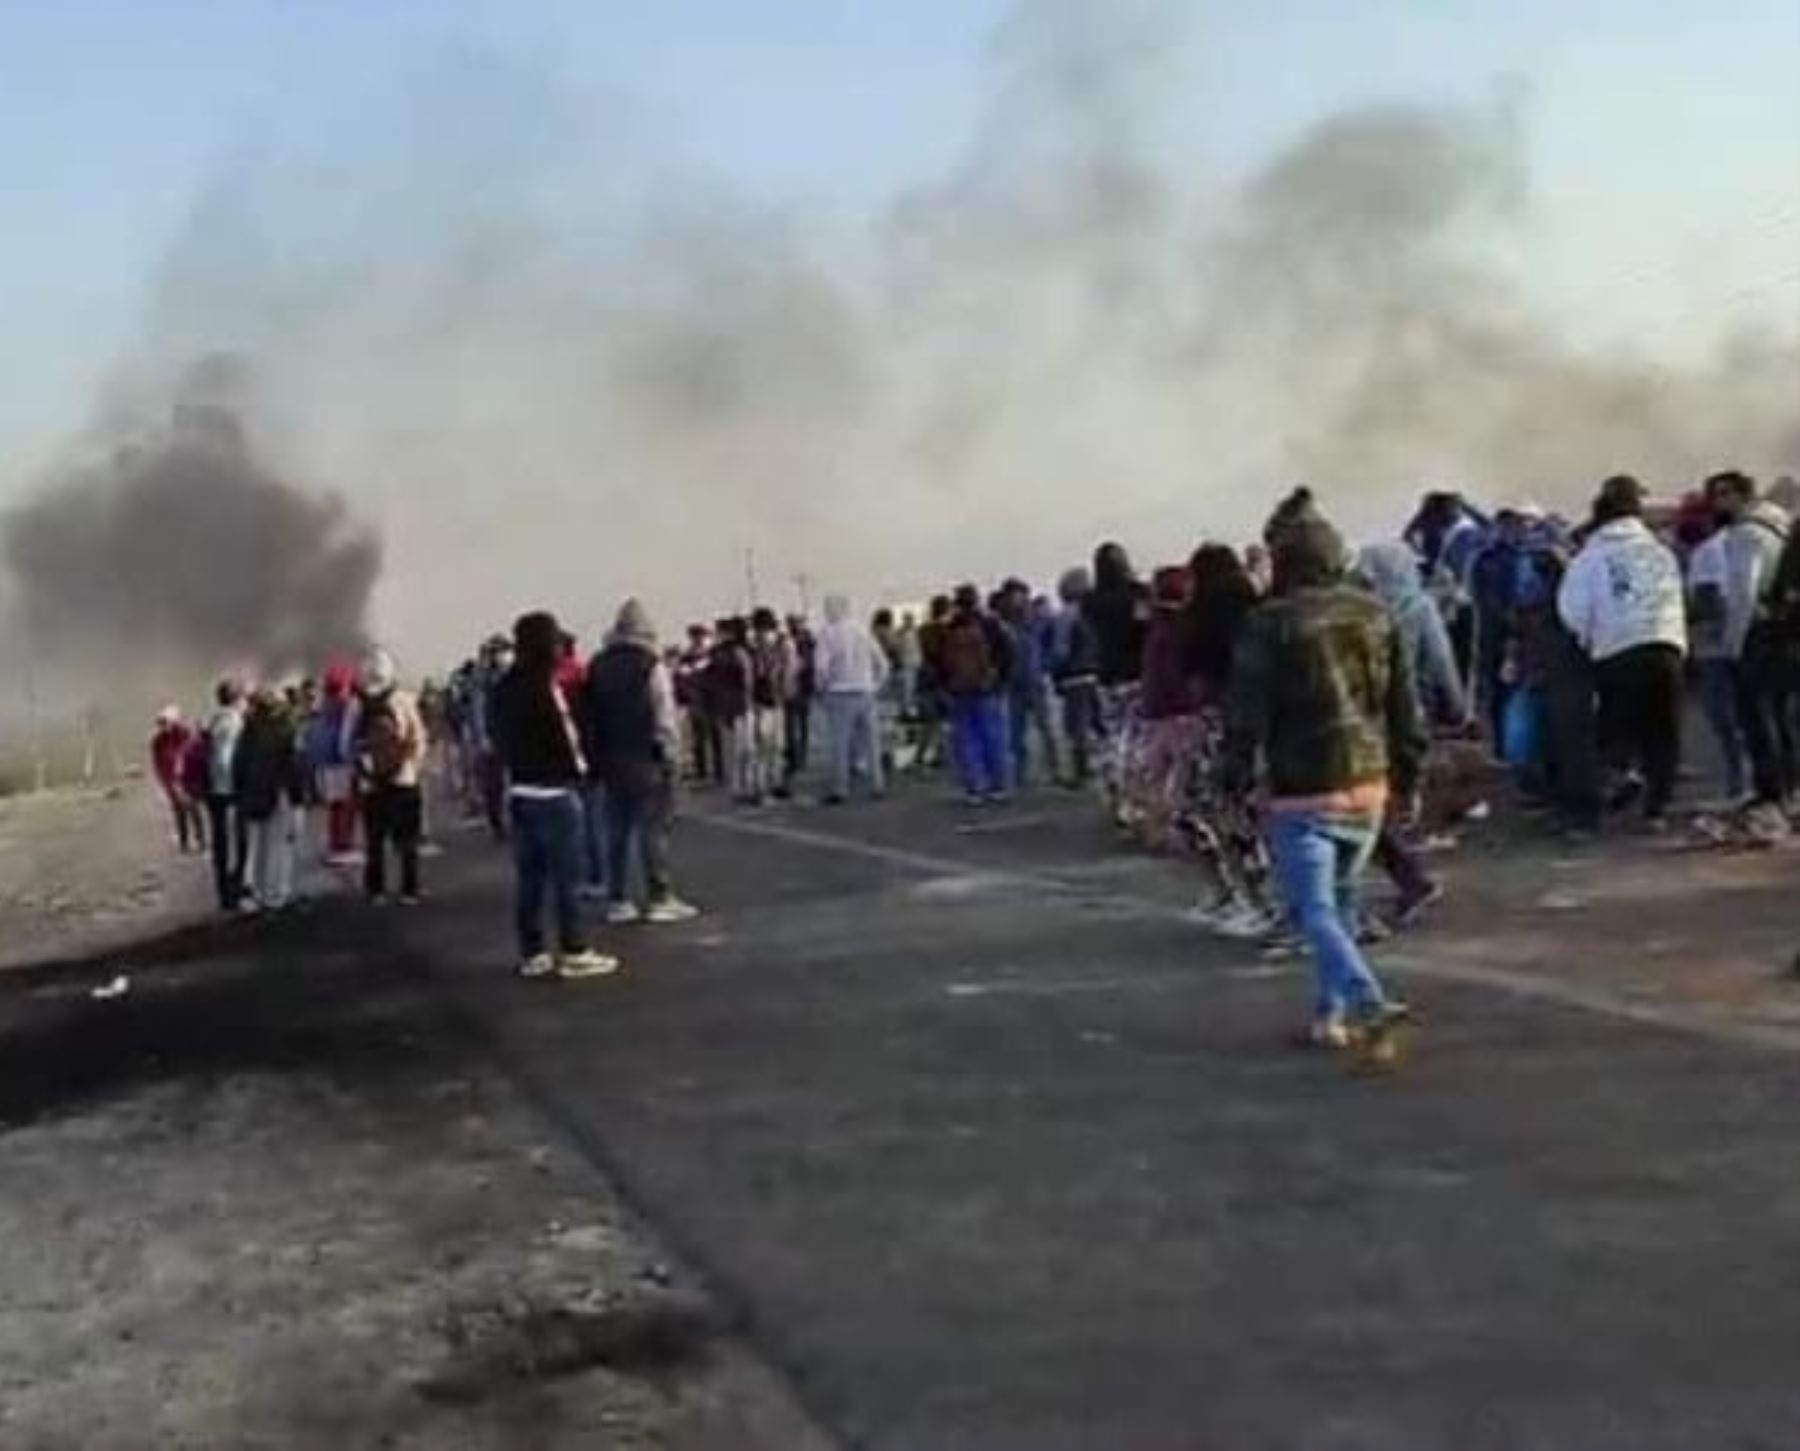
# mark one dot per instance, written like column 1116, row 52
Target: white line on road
column 1679, row 1018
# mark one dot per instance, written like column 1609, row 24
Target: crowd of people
column 1268, row 712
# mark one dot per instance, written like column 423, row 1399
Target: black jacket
column 266, row 767
column 618, row 717
column 534, row 739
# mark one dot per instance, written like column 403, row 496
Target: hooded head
column 378, row 673
column 168, row 717
column 634, row 627
column 537, row 639
column 1112, row 569
column 837, row 609
column 1620, row 497
column 1298, row 507
column 1392, row 571
column 1308, row 553
column 1075, row 586
column 968, row 600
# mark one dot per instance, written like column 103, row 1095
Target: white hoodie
column 846, row 659
column 1753, row 548
column 1624, row 590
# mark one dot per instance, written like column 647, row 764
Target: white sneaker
column 671, row 910
column 538, row 965
column 1243, row 923
column 586, row 963
column 622, row 914
column 588, row 892
column 248, row 906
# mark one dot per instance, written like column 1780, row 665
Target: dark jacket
column 1168, row 689
column 730, row 674
column 618, row 717
column 534, row 738
column 266, row 767
column 1323, row 688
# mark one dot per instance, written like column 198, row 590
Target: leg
column 1718, row 695
column 621, row 823
column 839, row 742
column 993, row 736
column 256, row 850
column 531, row 872
column 1317, row 874
column 377, row 814
column 408, row 826
column 1660, row 708
column 563, row 850
column 287, row 819
column 593, row 836
column 656, row 809
column 1401, row 863
column 1046, row 731
column 1018, row 745
column 219, row 810
column 866, row 728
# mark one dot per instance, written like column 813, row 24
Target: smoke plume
column 556, row 366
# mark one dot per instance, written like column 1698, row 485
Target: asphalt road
column 990, row 1150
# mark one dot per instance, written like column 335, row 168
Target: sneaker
column 586, row 963
column 623, row 914
column 1325, row 1035
column 410, row 899
column 538, row 965
column 1372, row 932
column 591, row 892
column 378, row 899
column 1414, row 904
column 670, row 910
column 248, row 906
column 1378, row 1036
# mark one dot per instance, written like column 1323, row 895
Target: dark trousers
column 796, row 740
column 190, row 822
column 492, row 781
column 709, row 746
column 640, row 807
column 593, row 835
column 1641, row 701
column 392, row 814
column 230, row 836
column 1081, row 726
column 1403, row 865
column 1574, row 739
column 1765, row 702
column 546, row 833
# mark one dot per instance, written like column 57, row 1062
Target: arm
column 1248, row 704
column 1408, row 741
column 1439, row 664
column 662, row 708
column 1573, row 607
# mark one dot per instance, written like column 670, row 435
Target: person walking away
column 976, row 662
column 890, row 709
column 170, row 744
column 389, row 753
column 1708, row 580
column 1118, row 611
column 224, row 824
column 934, row 701
column 269, row 788
column 1028, row 705
column 1623, row 600
column 539, row 747
column 1075, row 672
column 1321, row 689
column 327, row 751
column 1756, row 534
column 1221, row 828
column 706, row 751
column 909, row 660
column 1494, row 587
column 852, row 670
column 1392, row 572
column 1553, row 654
column 797, row 711
column 771, row 689
column 633, row 737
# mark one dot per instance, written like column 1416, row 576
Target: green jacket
column 1323, row 688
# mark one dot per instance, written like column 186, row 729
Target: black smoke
column 179, row 547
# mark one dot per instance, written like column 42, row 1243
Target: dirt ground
column 275, row 1196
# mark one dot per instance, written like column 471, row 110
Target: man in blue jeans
column 1322, row 689
column 975, row 662
column 536, row 737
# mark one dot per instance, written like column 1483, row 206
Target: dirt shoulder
column 274, row 1196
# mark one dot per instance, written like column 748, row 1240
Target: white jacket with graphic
column 1624, row 590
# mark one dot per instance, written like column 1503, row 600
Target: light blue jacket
column 1392, row 571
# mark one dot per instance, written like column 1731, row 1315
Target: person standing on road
column 1755, row 534
column 771, row 691
column 389, row 753
column 226, row 826
column 797, row 709
column 1322, row 690
column 1028, row 704
column 633, row 741
column 539, row 745
column 267, row 778
column 1075, row 669
column 1624, row 601
column 852, row 669
column 170, row 743
column 976, row 660
column 1707, row 579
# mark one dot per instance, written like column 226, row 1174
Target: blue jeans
column 1718, row 695
column 593, row 836
column 855, row 739
column 547, row 857
column 978, row 736
column 1029, row 710
column 1319, row 861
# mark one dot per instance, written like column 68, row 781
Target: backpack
column 968, row 658
column 381, row 745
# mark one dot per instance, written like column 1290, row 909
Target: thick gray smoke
column 177, row 552
column 556, row 366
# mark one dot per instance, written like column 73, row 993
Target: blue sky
column 1664, row 134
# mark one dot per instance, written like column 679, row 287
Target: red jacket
column 168, row 754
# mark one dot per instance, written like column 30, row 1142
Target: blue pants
column 978, row 736
column 547, row 850
column 1319, row 861
column 1719, row 696
column 593, row 837
column 855, row 739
